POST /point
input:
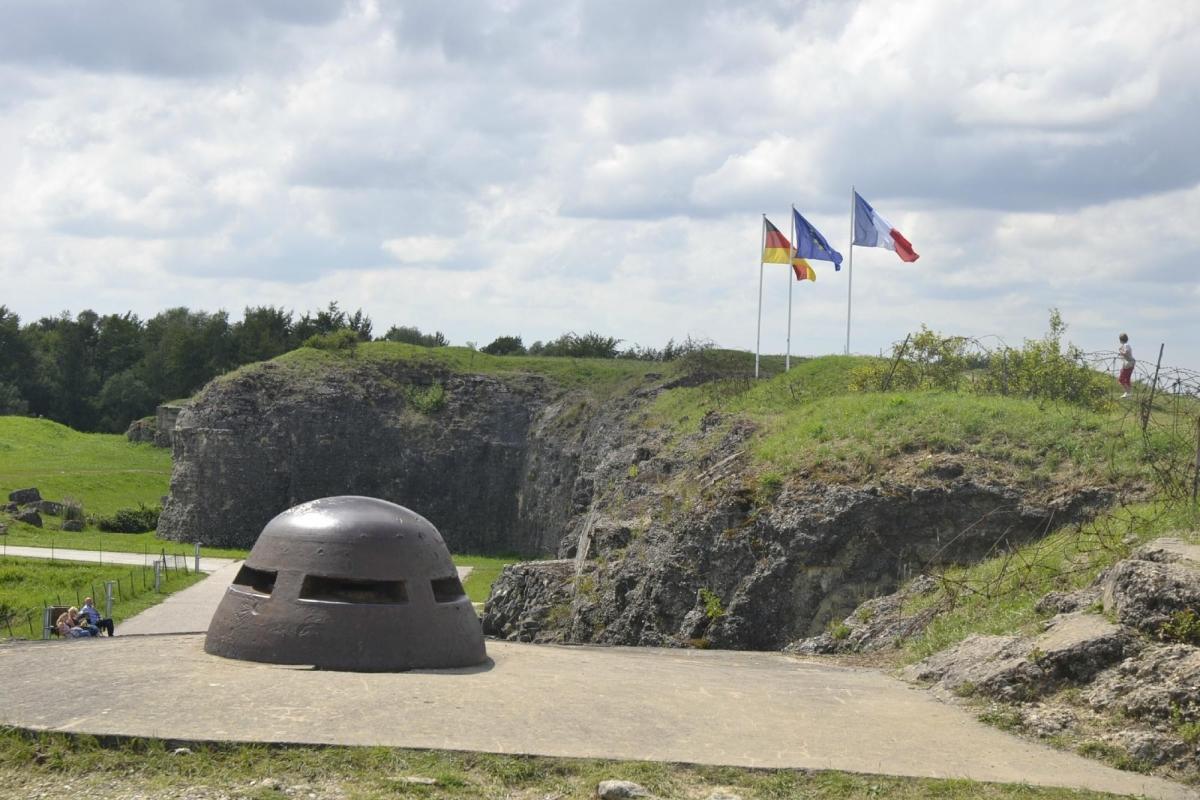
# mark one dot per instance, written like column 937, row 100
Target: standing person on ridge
column 1127, row 364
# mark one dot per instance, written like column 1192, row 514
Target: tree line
column 100, row 372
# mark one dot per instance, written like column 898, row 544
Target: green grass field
column 30, row 584
column 485, row 570
column 104, row 471
column 31, row 764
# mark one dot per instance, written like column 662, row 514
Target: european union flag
column 811, row 244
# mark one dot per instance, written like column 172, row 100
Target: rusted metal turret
column 348, row 583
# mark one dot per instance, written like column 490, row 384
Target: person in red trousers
column 1127, row 364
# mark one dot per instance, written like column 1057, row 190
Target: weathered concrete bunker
column 348, row 583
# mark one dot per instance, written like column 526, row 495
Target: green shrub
column 72, row 509
column 410, row 334
column 1006, row 719
column 712, row 604
column 131, row 520
column 770, row 483
column 924, row 360
column 1183, row 627
column 1041, row 369
column 505, row 346
column 589, row 345
column 839, row 630
column 343, row 340
column 426, row 399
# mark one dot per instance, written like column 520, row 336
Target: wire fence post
column 1196, row 474
column 1004, row 373
column 108, row 598
column 1153, row 385
column 887, row 382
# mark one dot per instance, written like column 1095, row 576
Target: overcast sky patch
column 520, row 167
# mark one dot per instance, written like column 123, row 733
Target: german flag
column 803, row 270
column 776, row 248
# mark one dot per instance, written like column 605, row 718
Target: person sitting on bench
column 69, row 627
column 93, row 617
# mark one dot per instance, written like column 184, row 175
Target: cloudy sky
column 511, row 167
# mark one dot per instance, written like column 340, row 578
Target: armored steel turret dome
column 348, row 583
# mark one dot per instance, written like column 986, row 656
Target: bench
column 49, row 619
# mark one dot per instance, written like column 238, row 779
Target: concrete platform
column 710, row 707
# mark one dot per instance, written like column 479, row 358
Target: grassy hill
column 809, row 422
column 104, row 471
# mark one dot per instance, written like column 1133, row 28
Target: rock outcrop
column 675, row 541
column 1158, row 581
column 142, row 430
column 732, row 569
column 1134, row 683
column 22, row 497
column 494, row 461
column 1074, row 648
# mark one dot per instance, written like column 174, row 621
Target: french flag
column 872, row 230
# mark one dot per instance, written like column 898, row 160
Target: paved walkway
column 709, row 707
column 186, row 611
column 714, row 707
column 207, row 564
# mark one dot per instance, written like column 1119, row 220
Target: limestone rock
column 494, row 461
column 1149, row 747
column 25, row 496
column 526, row 597
column 620, row 790
column 141, row 430
column 1067, row 602
column 1160, row 683
column 1074, row 648
column 876, row 624
column 29, row 516
column 1145, row 594
column 995, row 666
column 72, row 525
column 1046, row 722
column 50, row 508
column 1169, row 550
column 673, row 552
column 722, row 572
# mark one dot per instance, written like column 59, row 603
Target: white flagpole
column 758, row 337
column 787, row 360
column 850, row 272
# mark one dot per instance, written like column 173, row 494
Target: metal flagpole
column 758, row 338
column 787, row 359
column 850, row 272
